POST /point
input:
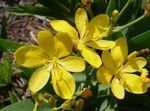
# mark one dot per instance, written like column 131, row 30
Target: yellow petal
column 73, row 63
column 46, row 41
column 91, row 57
column 99, row 26
column 144, row 76
column 63, row 44
column 65, row 86
column 132, row 55
column 81, row 21
column 117, row 88
column 30, row 56
column 101, row 44
column 56, row 73
column 63, row 26
column 134, row 65
column 104, row 75
column 39, row 79
column 120, row 51
column 108, row 60
column 134, row 84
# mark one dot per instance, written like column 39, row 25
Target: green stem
column 119, row 28
column 123, row 10
column 89, row 11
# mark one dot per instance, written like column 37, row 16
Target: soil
column 22, row 29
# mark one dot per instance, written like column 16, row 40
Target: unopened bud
column 51, row 100
column 86, row 93
column 55, row 109
column 115, row 13
column 86, row 3
column 79, row 104
column 147, row 8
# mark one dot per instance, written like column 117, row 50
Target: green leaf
column 5, row 69
column 40, row 10
column 3, row 33
column 104, row 105
column 13, row 97
column 8, row 45
column 56, row 5
column 140, row 41
column 26, row 105
column 111, row 6
column 2, row 83
column 138, row 28
column 79, row 76
column 117, row 35
column 32, row 10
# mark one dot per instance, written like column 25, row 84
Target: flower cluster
column 55, row 61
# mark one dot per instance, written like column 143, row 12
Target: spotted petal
column 30, row 56
column 120, row 51
column 81, row 21
column 135, row 64
column 101, row 44
column 117, row 88
column 91, row 56
column 99, row 26
column 65, row 86
column 73, row 63
column 104, row 75
column 134, row 84
column 46, row 41
column 63, row 44
column 63, row 26
column 39, row 79
column 108, row 60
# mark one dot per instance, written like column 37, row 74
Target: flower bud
column 147, row 8
column 86, row 4
column 115, row 13
column 51, row 100
column 86, row 93
column 79, row 104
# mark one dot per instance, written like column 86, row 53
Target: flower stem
column 124, row 9
column 89, row 11
column 119, row 28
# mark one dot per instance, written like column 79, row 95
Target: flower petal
column 65, row 86
column 144, row 76
column 73, row 63
column 135, row 64
column 134, row 84
column 39, row 79
column 104, row 75
column 81, row 21
column 63, row 44
column 117, row 88
column 30, row 56
column 91, row 57
column 99, row 26
column 63, row 26
column 120, row 51
column 46, row 41
column 108, row 60
column 101, row 44
column 132, row 55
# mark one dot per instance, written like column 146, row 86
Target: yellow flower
column 91, row 34
column 118, row 68
column 52, row 53
column 144, row 77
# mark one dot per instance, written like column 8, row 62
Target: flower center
column 52, row 63
column 80, row 44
